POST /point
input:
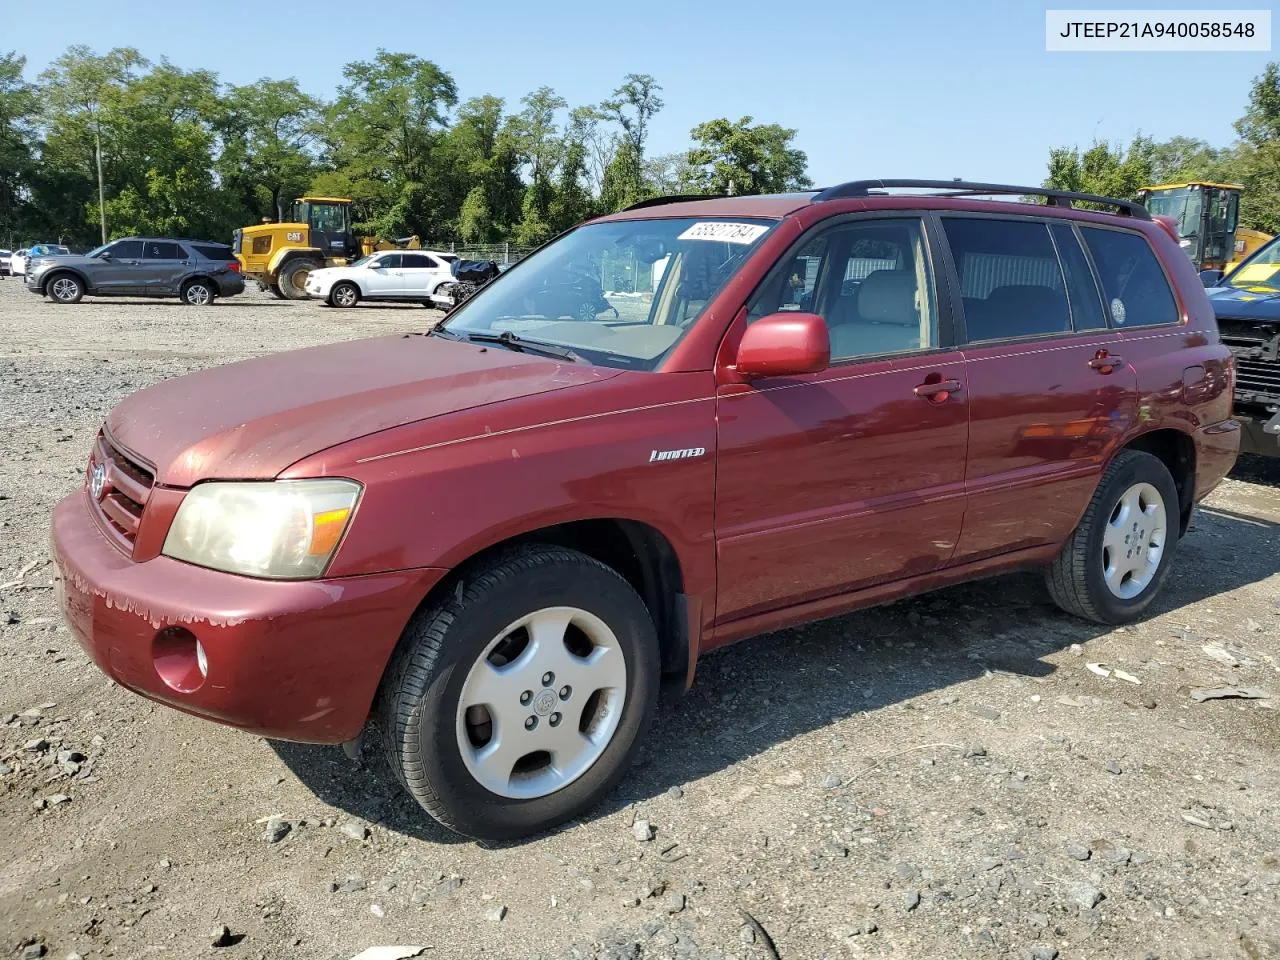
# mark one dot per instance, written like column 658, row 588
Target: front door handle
column 1106, row 362
column 937, row 391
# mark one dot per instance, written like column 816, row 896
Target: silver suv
column 196, row 271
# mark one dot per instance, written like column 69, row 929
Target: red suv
column 671, row 428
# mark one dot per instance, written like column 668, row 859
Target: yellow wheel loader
column 317, row 233
column 1207, row 215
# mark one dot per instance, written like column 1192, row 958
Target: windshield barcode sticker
column 725, row 232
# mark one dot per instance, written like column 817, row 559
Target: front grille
column 1256, row 347
column 126, row 488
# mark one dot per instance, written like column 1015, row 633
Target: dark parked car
column 197, row 271
column 1247, row 302
column 498, row 538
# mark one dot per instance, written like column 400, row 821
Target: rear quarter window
column 1135, row 289
column 213, row 251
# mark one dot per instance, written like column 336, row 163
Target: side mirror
column 784, row 345
column 104, row 256
column 1211, row 278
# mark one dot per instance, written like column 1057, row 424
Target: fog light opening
column 180, row 659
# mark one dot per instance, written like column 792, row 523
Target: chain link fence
column 500, row 252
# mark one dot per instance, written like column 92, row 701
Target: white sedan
column 411, row 276
column 18, row 263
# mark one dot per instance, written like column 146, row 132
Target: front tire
column 293, row 278
column 519, row 700
column 1115, row 562
column 344, row 294
column 64, row 288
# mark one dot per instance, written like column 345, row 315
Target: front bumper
column 290, row 660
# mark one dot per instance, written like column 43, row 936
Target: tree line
column 1253, row 160
column 183, row 154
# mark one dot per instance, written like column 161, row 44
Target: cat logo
column 293, row 236
column 676, row 454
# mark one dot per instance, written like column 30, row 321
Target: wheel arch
column 1177, row 451
column 186, row 281
column 351, row 280
column 289, row 254
column 59, row 271
column 640, row 553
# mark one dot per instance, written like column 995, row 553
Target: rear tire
column 64, row 288
column 568, row 646
column 293, row 278
column 344, row 294
column 1113, row 565
column 198, row 293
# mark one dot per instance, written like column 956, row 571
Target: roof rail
column 965, row 188
column 674, row 198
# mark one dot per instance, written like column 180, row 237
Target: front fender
column 279, row 258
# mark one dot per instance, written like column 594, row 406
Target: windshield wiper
column 510, row 340
column 439, row 331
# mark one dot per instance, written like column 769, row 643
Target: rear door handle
column 1107, row 362
column 939, row 391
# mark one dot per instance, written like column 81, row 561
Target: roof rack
column 965, row 188
column 675, row 198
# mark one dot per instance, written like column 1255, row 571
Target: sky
column 892, row 89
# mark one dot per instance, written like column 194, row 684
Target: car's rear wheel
column 1113, row 565
column 65, row 288
column 344, row 294
column 518, row 700
column 293, row 278
column 198, row 293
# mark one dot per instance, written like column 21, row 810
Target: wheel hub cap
column 1133, row 542
column 542, row 703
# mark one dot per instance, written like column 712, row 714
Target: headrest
column 888, row 296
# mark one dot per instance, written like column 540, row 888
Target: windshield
column 1180, row 203
column 619, row 293
column 1260, row 272
column 97, row 250
column 363, row 260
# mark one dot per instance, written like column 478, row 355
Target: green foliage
column 742, row 158
column 182, row 153
column 1253, row 161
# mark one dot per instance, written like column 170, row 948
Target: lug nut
column 565, row 692
column 530, row 723
column 526, row 697
column 548, row 679
column 554, row 719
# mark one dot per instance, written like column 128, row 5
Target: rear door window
column 1134, row 284
column 1011, row 283
column 1082, row 290
column 161, row 250
column 416, row 261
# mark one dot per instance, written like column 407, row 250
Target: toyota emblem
column 97, row 481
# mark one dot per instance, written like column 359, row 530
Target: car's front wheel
column 518, row 701
column 64, row 288
column 344, row 295
column 198, row 293
column 1113, row 565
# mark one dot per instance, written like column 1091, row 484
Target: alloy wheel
column 542, row 703
column 1134, row 541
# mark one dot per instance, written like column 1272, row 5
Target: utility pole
column 102, row 197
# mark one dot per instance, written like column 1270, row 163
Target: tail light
column 233, row 266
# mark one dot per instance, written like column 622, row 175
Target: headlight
column 287, row 529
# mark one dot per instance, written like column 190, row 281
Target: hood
column 251, row 420
column 1257, row 303
column 74, row 259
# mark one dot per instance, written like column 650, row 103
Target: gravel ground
column 942, row 777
